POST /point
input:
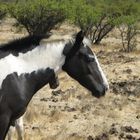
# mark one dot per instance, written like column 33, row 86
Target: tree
column 94, row 16
column 99, row 17
column 37, row 17
column 2, row 11
column 127, row 23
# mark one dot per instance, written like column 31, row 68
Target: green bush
column 90, row 15
column 2, row 11
column 128, row 22
column 96, row 17
column 37, row 16
column 99, row 17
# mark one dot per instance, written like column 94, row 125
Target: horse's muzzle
column 54, row 83
column 100, row 92
column 54, row 86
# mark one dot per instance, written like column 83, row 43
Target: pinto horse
column 26, row 66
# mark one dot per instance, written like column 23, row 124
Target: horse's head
column 82, row 65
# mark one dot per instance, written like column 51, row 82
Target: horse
column 31, row 40
column 26, row 66
column 18, row 125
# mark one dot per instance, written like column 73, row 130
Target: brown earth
column 71, row 113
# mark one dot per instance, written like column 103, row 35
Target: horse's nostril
column 104, row 90
column 99, row 93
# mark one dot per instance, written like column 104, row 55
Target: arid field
column 71, row 113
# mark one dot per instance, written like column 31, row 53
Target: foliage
column 37, row 16
column 99, row 17
column 96, row 17
column 90, row 15
column 127, row 23
column 128, row 36
column 2, row 11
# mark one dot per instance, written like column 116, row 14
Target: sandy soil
column 71, row 113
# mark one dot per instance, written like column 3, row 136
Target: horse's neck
column 42, row 57
column 36, row 80
column 47, row 56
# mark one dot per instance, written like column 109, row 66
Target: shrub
column 91, row 16
column 128, row 22
column 99, row 17
column 37, row 17
column 2, row 11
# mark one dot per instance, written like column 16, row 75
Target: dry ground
column 71, row 113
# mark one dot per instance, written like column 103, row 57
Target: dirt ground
column 71, row 113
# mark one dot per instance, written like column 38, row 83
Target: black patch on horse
column 24, row 87
column 21, row 45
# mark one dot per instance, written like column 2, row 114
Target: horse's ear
column 70, row 49
column 79, row 38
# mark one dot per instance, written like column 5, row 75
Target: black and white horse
column 26, row 66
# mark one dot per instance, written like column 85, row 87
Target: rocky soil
column 71, row 113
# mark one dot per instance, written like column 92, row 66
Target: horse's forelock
column 87, row 42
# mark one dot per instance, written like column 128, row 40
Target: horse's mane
column 22, row 43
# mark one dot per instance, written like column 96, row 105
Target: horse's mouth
column 54, row 85
column 98, row 93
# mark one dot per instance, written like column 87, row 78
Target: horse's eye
column 90, row 58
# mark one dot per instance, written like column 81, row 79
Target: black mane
column 21, row 45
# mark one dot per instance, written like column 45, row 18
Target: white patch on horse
column 87, row 42
column 44, row 56
column 102, row 73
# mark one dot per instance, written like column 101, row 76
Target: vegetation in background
column 37, row 16
column 128, row 22
column 96, row 17
column 2, row 11
column 99, row 17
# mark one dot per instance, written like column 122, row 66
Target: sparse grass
column 76, row 115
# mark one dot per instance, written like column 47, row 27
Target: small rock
column 69, row 109
column 79, row 97
column 90, row 138
column 57, row 92
column 129, row 71
column 129, row 129
column 55, row 100
column 121, row 135
column 104, row 136
column 75, row 117
column 138, row 116
column 130, row 137
column 44, row 99
column 122, row 84
column 35, row 127
column 113, row 131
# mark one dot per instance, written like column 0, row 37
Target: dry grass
column 73, row 114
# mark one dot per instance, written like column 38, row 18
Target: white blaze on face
column 87, row 42
column 105, row 82
column 42, row 57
